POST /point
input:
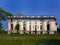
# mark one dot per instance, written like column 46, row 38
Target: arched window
column 35, row 29
column 24, row 27
column 41, row 27
column 30, row 29
column 11, row 26
column 48, row 27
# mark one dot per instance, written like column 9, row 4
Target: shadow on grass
column 48, row 42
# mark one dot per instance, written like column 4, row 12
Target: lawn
column 25, row 39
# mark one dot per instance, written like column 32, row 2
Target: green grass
column 25, row 39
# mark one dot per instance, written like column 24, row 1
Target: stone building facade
column 32, row 24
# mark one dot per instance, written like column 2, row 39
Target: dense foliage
column 58, row 30
column 3, row 16
column 17, row 27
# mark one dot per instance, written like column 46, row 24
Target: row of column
column 31, row 24
column 52, row 26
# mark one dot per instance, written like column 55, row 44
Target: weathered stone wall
column 32, row 24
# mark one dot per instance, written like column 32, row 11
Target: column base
column 14, row 31
column 44, row 32
column 21, row 32
column 38, row 32
column 27, row 31
column 32, row 32
column 9, row 31
column 51, row 32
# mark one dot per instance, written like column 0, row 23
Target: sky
column 32, row 7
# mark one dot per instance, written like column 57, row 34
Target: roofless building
column 32, row 24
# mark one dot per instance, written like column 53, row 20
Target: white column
column 38, row 29
column 9, row 26
column 32, row 26
column 53, row 26
column 21, row 31
column 14, row 22
column 27, row 26
column 44, row 26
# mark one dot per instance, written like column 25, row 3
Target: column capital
column 44, row 19
column 52, row 20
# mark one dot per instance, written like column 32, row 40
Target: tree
column 17, row 27
column 58, row 29
column 3, row 16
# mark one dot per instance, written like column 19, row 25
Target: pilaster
column 27, row 25
column 21, row 29
column 32, row 26
column 44, row 26
column 38, row 28
column 53, row 26
column 9, row 26
column 14, row 22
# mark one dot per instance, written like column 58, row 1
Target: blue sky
column 32, row 7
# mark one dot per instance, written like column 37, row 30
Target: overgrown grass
column 25, row 39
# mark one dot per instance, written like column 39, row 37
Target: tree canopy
column 3, row 16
